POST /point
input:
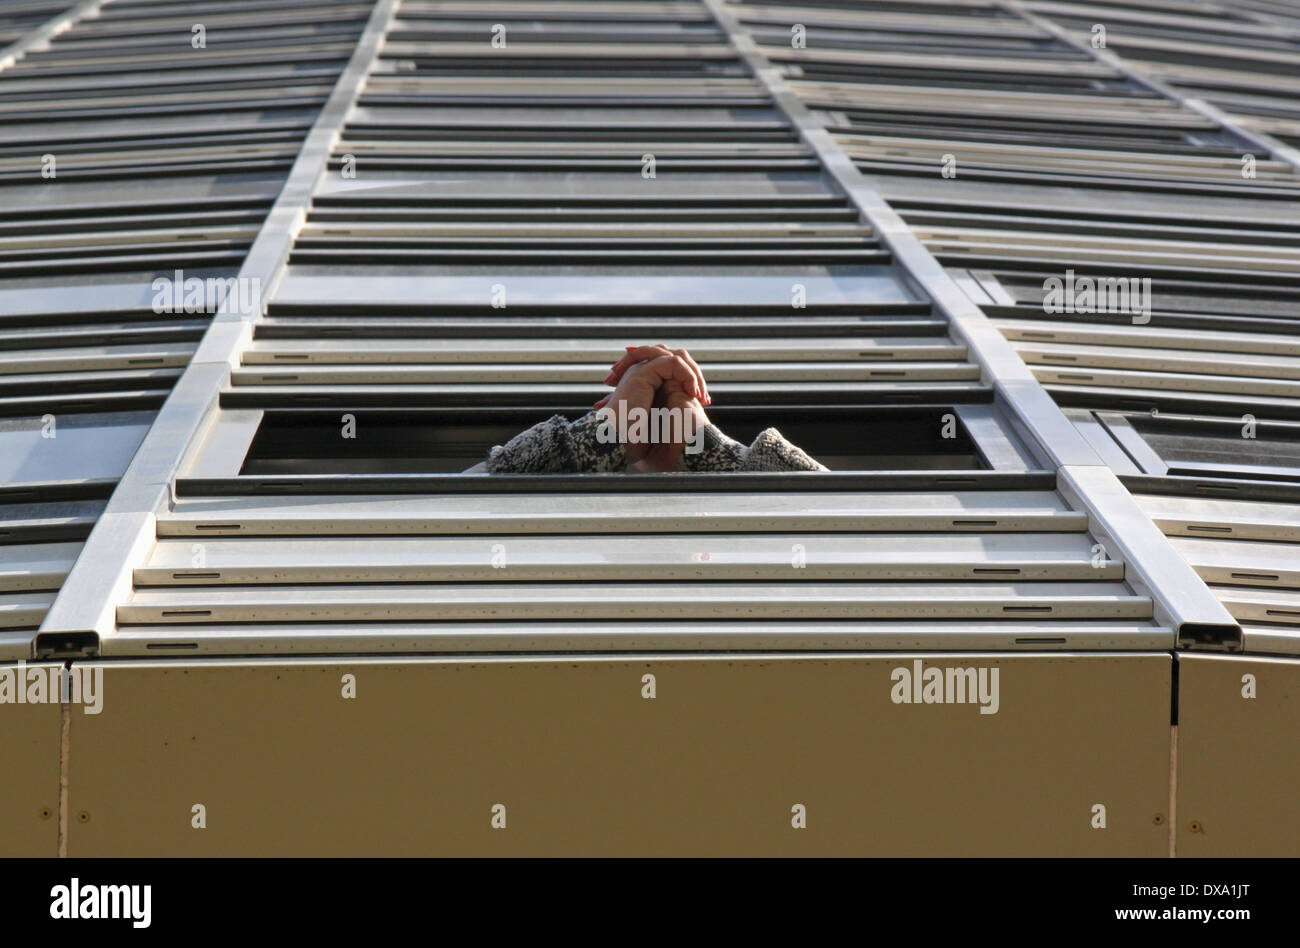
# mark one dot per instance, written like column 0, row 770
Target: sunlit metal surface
column 864, row 238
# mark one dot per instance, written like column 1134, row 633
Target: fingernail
column 631, row 348
column 609, row 378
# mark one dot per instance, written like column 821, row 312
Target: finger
column 675, row 368
column 603, row 402
column 634, row 355
column 699, row 374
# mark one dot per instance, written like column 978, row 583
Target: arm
column 559, row 446
column 769, row 452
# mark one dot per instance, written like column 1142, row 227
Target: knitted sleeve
column 590, row 446
column 769, row 452
column 559, row 446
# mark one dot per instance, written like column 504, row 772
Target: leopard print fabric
column 558, row 446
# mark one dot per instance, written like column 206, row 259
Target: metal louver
column 128, row 155
column 440, row 189
column 1078, row 168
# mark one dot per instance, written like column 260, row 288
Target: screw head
column 1194, row 826
column 83, row 816
column 1158, row 819
column 46, row 812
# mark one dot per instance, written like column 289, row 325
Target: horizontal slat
column 411, row 394
column 1161, row 360
column 1169, row 381
column 24, row 610
column 1278, row 639
column 1238, row 519
column 633, row 634
column 1241, row 562
column 37, row 566
column 96, row 359
column 582, row 350
column 991, row 511
column 720, row 373
column 803, row 556
column 1258, row 605
column 1155, row 337
column 644, row 600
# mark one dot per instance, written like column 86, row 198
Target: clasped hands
column 657, row 406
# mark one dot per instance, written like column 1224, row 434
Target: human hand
column 651, row 377
column 638, row 354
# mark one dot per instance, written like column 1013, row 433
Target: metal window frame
column 1182, row 601
column 125, row 532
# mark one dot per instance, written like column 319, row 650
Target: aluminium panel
column 1238, row 756
column 30, row 742
column 729, row 757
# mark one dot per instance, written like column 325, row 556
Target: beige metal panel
column 30, row 736
column 584, row 765
column 1238, row 757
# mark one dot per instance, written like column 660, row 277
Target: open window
column 1245, row 447
column 448, row 441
